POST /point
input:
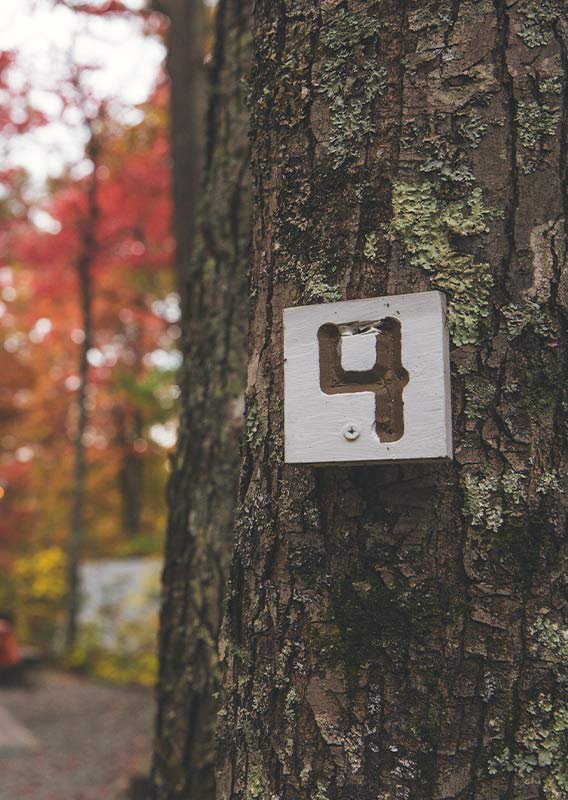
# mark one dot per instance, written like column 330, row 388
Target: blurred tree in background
column 107, row 214
column 203, row 488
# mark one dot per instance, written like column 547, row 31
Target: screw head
column 350, row 431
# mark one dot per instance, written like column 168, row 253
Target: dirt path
column 91, row 739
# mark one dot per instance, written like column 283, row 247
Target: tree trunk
column 130, row 479
column 85, row 298
column 401, row 631
column 186, row 68
column 203, row 485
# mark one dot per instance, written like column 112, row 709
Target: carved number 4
column 386, row 379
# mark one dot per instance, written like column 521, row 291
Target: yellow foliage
column 132, row 660
column 41, row 576
column 40, row 588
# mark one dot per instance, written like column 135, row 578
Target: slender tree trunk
column 83, row 270
column 186, row 52
column 128, row 428
column 401, row 631
column 203, row 484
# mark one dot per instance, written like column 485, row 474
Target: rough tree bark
column 401, row 631
column 186, row 68
column 203, row 485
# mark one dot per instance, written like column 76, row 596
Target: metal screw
column 351, row 431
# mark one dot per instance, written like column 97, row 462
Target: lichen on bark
column 349, row 81
column 426, row 225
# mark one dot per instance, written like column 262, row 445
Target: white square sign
column 367, row 381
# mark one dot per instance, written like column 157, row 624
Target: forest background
column 88, row 314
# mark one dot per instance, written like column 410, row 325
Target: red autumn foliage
column 130, row 388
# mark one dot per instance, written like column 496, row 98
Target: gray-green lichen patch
column 317, row 285
column 492, row 497
column 472, row 128
column 255, row 422
column 514, row 486
column 447, row 165
column 538, row 19
column 540, row 752
column 350, row 81
column 479, row 394
column 536, row 122
column 370, row 246
column 428, row 225
column 540, row 748
column 549, row 483
column 321, row 791
column 483, row 505
column 292, row 700
column 255, row 785
column 551, row 85
column 528, row 314
column 552, row 640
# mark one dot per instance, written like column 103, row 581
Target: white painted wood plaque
column 367, row 381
